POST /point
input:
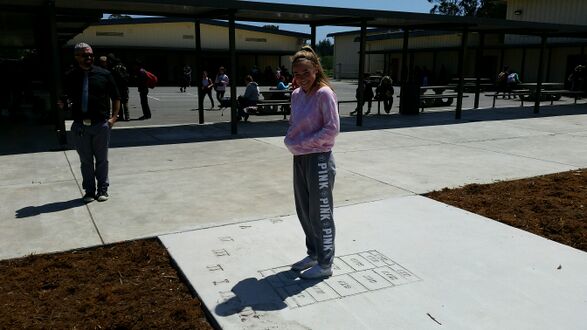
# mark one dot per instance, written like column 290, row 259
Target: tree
column 479, row 8
column 325, row 48
column 271, row 27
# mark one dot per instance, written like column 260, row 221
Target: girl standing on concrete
column 313, row 126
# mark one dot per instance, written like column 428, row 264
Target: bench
column 556, row 94
column 520, row 93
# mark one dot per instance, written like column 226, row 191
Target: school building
column 437, row 51
column 165, row 45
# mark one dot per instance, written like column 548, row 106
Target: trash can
column 410, row 99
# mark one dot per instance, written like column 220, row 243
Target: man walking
column 89, row 88
column 141, row 81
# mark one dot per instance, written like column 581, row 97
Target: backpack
column 121, row 73
column 151, row 80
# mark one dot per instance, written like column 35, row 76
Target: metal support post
column 199, row 70
column 461, row 72
column 361, row 100
column 540, row 76
column 232, row 46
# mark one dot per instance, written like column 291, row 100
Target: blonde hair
column 308, row 54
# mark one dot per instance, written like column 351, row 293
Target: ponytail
column 306, row 53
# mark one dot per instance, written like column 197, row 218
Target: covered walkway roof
column 297, row 14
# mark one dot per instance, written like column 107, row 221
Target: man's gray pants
column 313, row 184
column 91, row 142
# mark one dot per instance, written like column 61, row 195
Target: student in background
column 186, row 78
column 250, row 98
column 282, row 85
column 220, row 83
column 384, row 92
column 206, row 87
column 141, row 78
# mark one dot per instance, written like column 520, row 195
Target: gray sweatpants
column 91, row 142
column 313, row 184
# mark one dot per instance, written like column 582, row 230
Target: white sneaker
column 305, row 263
column 102, row 197
column 316, row 272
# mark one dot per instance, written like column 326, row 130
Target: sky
column 416, row 6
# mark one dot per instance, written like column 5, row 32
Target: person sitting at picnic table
column 501, row 81
column 384, row 92
column 282, row 85
column 250, row 98
column 367, row 96
column 577, row 78
column 513, row 80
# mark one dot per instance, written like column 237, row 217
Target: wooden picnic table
column 545, row 85
column 439, row 87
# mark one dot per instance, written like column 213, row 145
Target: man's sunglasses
column 86, row 55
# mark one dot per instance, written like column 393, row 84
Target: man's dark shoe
column 102, row 197
column 144, row 118
column 88, row 198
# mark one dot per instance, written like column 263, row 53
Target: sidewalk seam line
column 86, row 205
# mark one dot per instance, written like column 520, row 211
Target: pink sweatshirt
column 313, row 123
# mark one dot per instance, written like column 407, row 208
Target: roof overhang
column 294, row 14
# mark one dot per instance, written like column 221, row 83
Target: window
column 256, row 39
column 109, row 34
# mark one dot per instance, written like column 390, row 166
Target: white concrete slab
column 184, row 156
column 366, row 140
column 34, row 168
column 170, row 200
column 425, row 168
column 403, row 263
column 552, row 124
column 467, row 132
column 556, row 148
column 43, row 218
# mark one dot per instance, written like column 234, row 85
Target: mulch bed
column 133, row 285
column 123, row 286
column 552, row 206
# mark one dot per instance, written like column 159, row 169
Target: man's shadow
column 31, row 211
column 265, row 294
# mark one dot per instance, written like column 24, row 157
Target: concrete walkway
column 185, row 177
column 401, row 263
column 223, row 206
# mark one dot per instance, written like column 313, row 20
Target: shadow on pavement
column 27, row 138
column 31, row 211
column 261, row 294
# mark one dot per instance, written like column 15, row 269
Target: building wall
column 346, row 57
column 347, row 52
column 181, row 35
column 545, row 11
column 548, row 11
column 164, row 48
